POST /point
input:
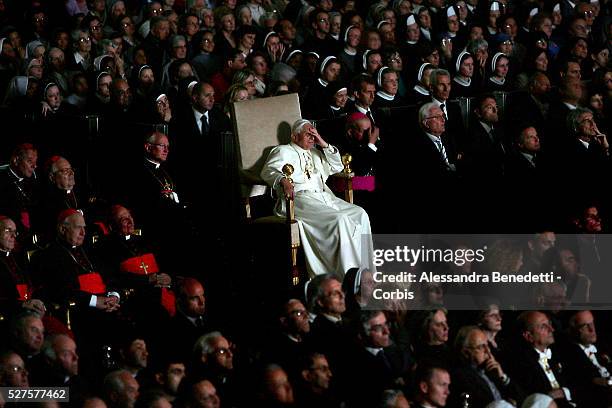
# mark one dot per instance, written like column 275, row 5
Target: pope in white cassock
column 330, row 228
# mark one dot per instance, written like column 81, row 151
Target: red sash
column 92, row 283
column 140, row 265
column 24, row 291
column 168, row 301
column 25, row 219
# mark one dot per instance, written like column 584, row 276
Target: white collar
column 299, row 149
column 491, row 30
column 156, row 164
column 332, row 319
column 571, row 3
column 374, row 350
column 433, row 138
column 349, row 52
column 323, row 82
column 570, row 106
column 19, row 178
column 335, row 36
column 385, row 96
column 78, row 58
column 362, row 110
column 419, row 88
column 546, row 354
column 411, row 42
column 437, row 102
column 335, row 108
column 586, row 144
column 461, row 81
column 293, row 338
column 486, row 126
column 497, row 81
column 6, row 253
column 588, row 349
column 127, row 237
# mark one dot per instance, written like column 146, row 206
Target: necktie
column 443, row 107
column 205, row 125
column 442, row 150
column 369, row 115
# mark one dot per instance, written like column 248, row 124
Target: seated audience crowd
column 121, row 274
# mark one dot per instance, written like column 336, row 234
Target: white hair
column 297, row 127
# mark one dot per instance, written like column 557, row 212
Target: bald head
column 191, row 300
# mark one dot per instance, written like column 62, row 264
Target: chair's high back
column 259, row 126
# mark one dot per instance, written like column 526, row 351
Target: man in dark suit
column 375, row 363
column 535, row 369
column 531, row 107
column 570, row 93
column 524, row 163
column 290, row 344
column 478, row 373
column 485, row 152
column 189, row 323
column 363, row 88
column 60, row 367
column 432, row 386
column 329, row 333
column 454, row 134
column 197, row 139
column 587, row 368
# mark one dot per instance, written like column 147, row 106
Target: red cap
column 50, row 162
column 354, row 117
column 65, row 214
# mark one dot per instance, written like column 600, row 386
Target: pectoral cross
column 308, row 168
column 143, row 266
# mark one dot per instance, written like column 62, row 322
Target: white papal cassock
column 330, row 228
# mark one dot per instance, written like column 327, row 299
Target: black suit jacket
column 485, row 156
column 465, row 379
column 190, row 146
column 580, row 374
column 526, row 370
column 182, row 335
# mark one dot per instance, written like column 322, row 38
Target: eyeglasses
column 85, row 39
column 223, row 351
column 479, row 347
column 298, row 313
column 65, row 172
column 160, row 145
column 427, row 118
column 207, row 40
column 17, row 369
column 95, row 27
column 128, row 24
column 587, row 120
column 9, row 231
column 323, row 20
column 379, row 328
column 508, row 42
